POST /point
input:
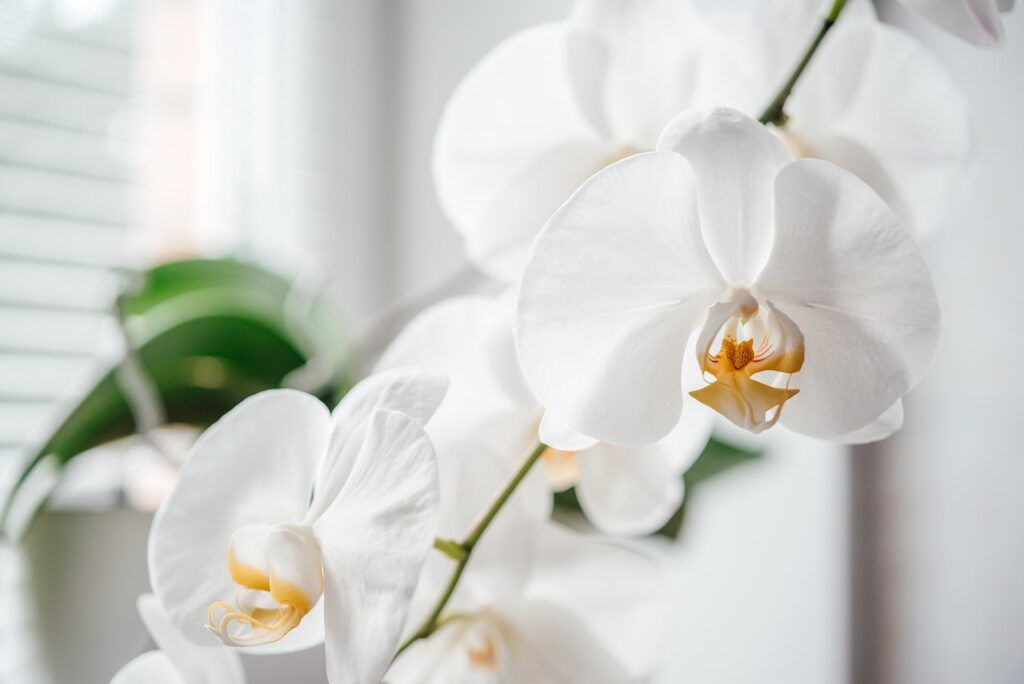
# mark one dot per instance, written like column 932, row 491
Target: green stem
column 775, row 112
column 450, row 548
column 460, row 552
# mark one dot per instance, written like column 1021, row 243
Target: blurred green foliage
column 206, row 334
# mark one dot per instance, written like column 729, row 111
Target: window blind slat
column 51, row 285
column 60, row 105
column 45, row 239
column 70, row 332
column 62, row 150
column 62, row 195
column 67, row 83
column 58, row 60
column 41, row 376
column 22, row 423
column 90, row 24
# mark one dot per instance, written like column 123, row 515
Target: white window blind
column 66, row 191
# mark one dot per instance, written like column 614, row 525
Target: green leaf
column 207, row 334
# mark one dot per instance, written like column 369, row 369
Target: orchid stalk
column 460, row 552
column 775, row 112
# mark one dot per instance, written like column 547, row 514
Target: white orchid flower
column 536, row 602
column 289, row 522
column 178, row 660
column 555, row 103
column 976, row 21
column 810, row 303
column 623, row 491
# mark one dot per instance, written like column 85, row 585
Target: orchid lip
column 754, row 338
column 280, row 576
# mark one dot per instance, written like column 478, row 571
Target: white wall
column 952, row 532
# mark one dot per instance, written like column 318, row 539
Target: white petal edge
column 634, row 492
column 976, row 21
column 254, row 466
column 628, row 618
column 735, row 160
column 544, row 642
column 516, row 117
column 858, row 288
column 628, row 491
column 152, row 667
column 201, row 664
column 656, row 66
column 415, row 392
column 441, row 659
column 886, row 424
column 374, row 539
column 469, row 340
column 557, row 433
column 919, row 165
column 613, row 288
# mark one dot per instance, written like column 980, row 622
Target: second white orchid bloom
column 555, row 103
column 289, row 523
column 622, row 491
column 811, row 304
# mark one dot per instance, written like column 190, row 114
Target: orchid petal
column 976, row 21
column 487, row 422
column 660, row 64
column 735, row 160
column 628, row 492
column 543, row 642
column 414, row 392
column 195, row 664
column 557, row 433
column 469, row 340
column 857, row 287
column 572, row 572
column 254, row 466
column 500, row 343
column 513, row 216
column 441, row 659
column 514, row 141
column 889, row 422
column 374, row 538
column 633, row 492
column 614, row 286
column 842, row 110
column 152, row 667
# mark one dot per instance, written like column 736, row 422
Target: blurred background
column 296, row 135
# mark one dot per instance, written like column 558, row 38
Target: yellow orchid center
column 778, row 353
column 738, row 355
column 280, row 579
